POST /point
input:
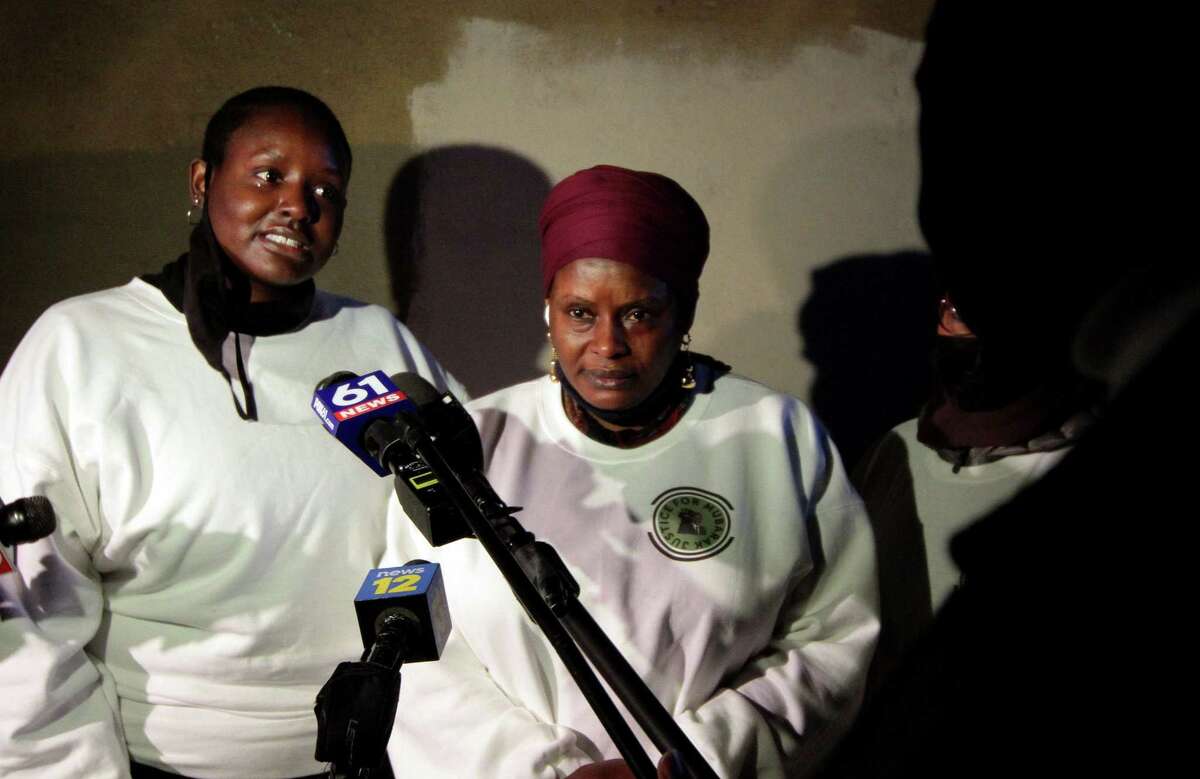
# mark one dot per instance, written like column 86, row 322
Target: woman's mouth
column 611, row 380
column 288, row 244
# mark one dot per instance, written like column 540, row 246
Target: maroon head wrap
column 639, row 218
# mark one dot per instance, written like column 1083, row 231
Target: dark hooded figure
column 1062, row 651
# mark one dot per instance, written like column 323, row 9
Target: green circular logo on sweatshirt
column 691, row 523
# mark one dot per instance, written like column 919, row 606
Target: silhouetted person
column 990, row 428
column 1063, row 651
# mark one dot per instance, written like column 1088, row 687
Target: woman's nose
column 297, row 203
column 608, row 339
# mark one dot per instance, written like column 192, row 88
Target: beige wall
column 792, row 122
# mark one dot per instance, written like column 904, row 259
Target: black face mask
column 975, row 378
column 666, row 395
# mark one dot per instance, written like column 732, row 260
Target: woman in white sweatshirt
column 707, row 519
column 197, row 591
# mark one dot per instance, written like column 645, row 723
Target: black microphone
column 403, row 617
column 421, row 494
column 361, row 413
column 402, row 614
column 336, row 377
column 25, row 520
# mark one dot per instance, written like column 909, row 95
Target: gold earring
column 688, row 380
column 553, row 361
column 195, row 213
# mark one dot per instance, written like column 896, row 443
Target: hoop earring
column 553, row 361
column 196, row 212
column 688, row 380
column 333, row 253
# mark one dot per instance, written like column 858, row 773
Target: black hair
column 238, row 109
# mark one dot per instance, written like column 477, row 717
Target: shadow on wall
column 73, row 223
column 867, row 328
column 462, row 249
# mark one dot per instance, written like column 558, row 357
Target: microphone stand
column 549, row 594
column 356, row 707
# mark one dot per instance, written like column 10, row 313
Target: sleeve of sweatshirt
column 785, row 709
column 59, row 717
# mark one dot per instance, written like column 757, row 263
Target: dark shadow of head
column 1042, row 163
column 463, row 248
column 867, row 328
column 1022, row 150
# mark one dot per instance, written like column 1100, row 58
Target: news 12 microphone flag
column 415, row 587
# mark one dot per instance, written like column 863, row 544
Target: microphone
column 369, row 415
column 25, row 520
column 421, row 494
column 402, row 614
column 22, row 521
column 347, row 404
column 403, row 617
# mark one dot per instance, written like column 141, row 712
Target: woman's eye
column 642, row 316
column 328, row 192
column 269, row 175
column 576, row 313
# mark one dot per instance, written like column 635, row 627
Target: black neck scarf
column 985, row 410
column 655, row 415
column 214, row 297
column 665, row 396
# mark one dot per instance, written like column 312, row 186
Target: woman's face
column 615, row 329
column 276, row 201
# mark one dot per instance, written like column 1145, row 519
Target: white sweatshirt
column 729, row 561
column 906, row 482
column 199, row 588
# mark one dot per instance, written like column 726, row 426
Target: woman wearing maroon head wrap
column 706, row 518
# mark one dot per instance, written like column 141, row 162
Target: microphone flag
column 416, row 590
column 346, row 408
